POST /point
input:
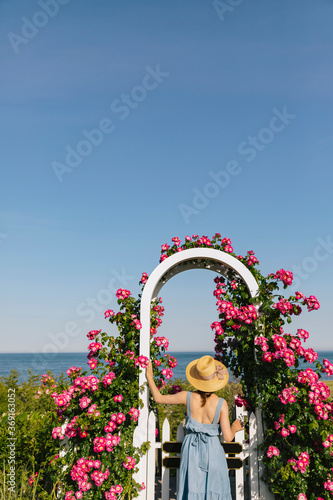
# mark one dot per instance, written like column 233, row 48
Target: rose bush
column 253, row 339
column 99, row 409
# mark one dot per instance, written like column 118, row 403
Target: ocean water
column 60, row 362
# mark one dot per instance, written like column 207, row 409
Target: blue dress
column 203, row 466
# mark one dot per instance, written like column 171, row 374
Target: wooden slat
column 175, row 446
column 174, row 463
column 165, row 473
column 253, row 457
column 233, row 448
column 180, row 437
column 239, row 473
column 151, row 455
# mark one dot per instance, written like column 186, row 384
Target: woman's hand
column 237, row 425
column 149, row 371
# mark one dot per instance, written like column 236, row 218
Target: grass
column 330, row 385
column 23, row 490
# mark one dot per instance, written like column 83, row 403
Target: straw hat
column 207, row 374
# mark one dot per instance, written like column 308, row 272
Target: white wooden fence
column 247, row 476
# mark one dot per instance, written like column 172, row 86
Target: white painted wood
column 150, row 485
column 140, row 476
column 165, row 472
column 239, row 473
column 180, row 437
column 265, row 494
column 253, row 457
column 248, row 451
column 193, row 258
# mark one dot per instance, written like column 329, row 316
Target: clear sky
column 126, row 123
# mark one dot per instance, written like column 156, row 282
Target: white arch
column 193, row 258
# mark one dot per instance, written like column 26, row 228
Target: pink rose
column 273, row 451
column 109, row 313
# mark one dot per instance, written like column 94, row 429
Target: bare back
column 203, row 414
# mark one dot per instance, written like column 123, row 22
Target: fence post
column 253, row 457
column 180, row 437
column 165, row 472
column 151, row 456
column 239, row 473
column 265, row 494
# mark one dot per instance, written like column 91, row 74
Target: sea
column 57, row 363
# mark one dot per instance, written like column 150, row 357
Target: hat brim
column 206, row 385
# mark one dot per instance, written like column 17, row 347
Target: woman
column 203, row 466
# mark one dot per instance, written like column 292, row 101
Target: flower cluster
column 285, row 307
column 84, row 402
column 32, row 478
column 144, row 278
column 106, row 443
column 167, row 373
column 129, row 463
column 241, row 401
column 203, row 241
column 172, row 361
column 328, row 442
column 122, row 294
column 108, row 378
column 93, row 333
column 288, row 395
column 273, row 452
column 80, row 474
column 73, row 371
column 284, row 431
column 142, row 361
column 328, row 485
column 173, row 389
column 285, row 276
column 134, row 413
column 328, row 367
column 113, row 493
column 136, row 323
column 301, row 463
column 162, row 342
column 57, row 433
column 296, row 409
column 95, row 347
column 292, row 400
column 246, row 314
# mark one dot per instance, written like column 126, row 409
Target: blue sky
column 117, row 119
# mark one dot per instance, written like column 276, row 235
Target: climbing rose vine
column 254, row 340
column 98, row 411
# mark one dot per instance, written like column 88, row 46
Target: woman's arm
column 168, row 399
column 227, row 431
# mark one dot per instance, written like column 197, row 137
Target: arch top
column 192, row 258
column 197, row 258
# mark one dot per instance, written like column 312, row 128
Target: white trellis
column 249, row 452
column 194, row 258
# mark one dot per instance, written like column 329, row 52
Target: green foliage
column 295, row 404
column 30, row 437
column 251, row 342
column 98, row 412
